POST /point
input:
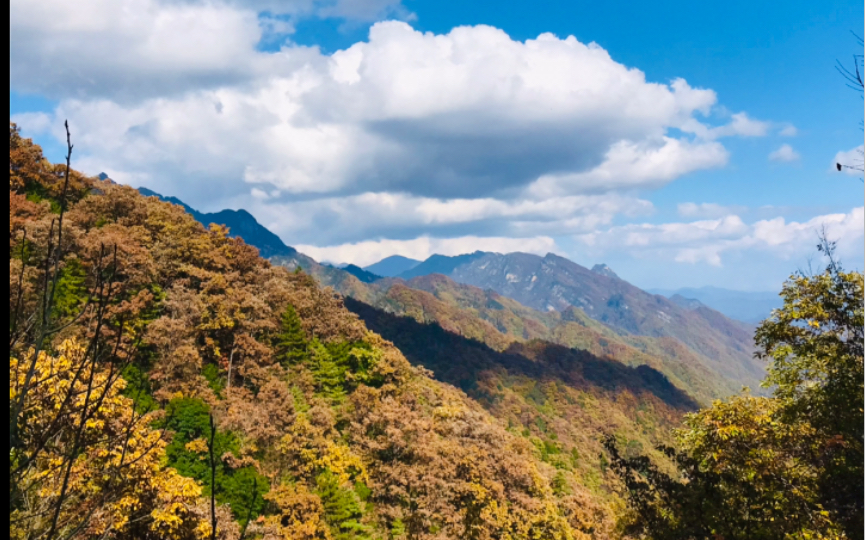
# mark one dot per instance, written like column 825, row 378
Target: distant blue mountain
column 440, row 264
column 751, row 307
column 361, row 274
column 239, row 222
column 392, row 266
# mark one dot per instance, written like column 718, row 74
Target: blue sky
column 691, row 145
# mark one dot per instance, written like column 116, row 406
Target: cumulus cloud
column 371, row 251
column 707, row 240
column 465, row 134
column 464, row 114
column 740, row 125
column 784, row 153
column 338, row 220
column 134, row 49
column 129, row 48
column 629, row 165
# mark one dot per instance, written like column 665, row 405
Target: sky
column 684, row 144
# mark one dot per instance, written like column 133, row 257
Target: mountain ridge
column 555, row 284
column 321, row 420
column 440, row 264
column 240, row 223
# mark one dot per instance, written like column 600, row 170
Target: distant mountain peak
column 604, row 270
column 361, row 274
column 392, row 266
column 441, row 264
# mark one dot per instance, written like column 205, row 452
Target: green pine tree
column 341, row 509
column 329, row 374
column 291, row 345
column 71, row 291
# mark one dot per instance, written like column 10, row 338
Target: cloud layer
column 408, row 142
column 460, row 131
column 707, row 241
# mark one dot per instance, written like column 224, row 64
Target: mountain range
column 499, row 299
column 343, row 419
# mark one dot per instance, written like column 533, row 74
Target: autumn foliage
column 131, row 324
column 780, row 467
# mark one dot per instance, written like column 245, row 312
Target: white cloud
column 744, row 126
column 133, row 49
column 340, row 220
column 259, row 194
column 464, row 134
column 707, row 210
column 371, row 251
column 741, row 125
column 465, row 114
column 850, row 160
column 627, row 165
column 125, row 48
column 788, row 131
column 784, row 153
column 706, row 241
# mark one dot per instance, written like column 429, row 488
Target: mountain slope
column 361, row 274
column 561, row 400
column 498, row 322
column 555, row 283
column 240, row 224
column 323, row 429
column 647, row 329
column 392, row 266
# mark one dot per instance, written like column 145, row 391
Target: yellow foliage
column 310, row 452
column 301, row 514
column 198, row 446
column 342, row 463
column 116, row 484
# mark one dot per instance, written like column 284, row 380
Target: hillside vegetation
column 780, row 467
column 164, row 378
column 499, row 321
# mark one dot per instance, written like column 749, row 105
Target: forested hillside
column 699, row 349
column 239, row 223
column 164, row 378
column 498, row 321
column 553, row 282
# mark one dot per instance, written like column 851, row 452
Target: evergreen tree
column 341, row 508
column 329, row 374
column 291, row 344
